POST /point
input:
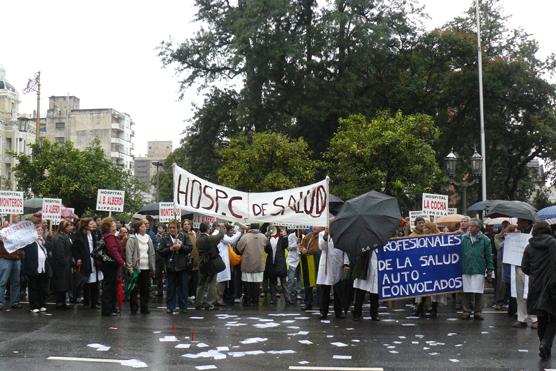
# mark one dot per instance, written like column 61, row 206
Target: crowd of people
column 90, row 262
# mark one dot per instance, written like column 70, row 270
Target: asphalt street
column 270, row 337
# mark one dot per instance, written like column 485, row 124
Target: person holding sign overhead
column 476, row 260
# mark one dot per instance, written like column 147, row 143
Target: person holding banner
column 309, row 262
column 10, row 270
column 332, row 265
column 37, row 269
column 61, row 263
column 476, row 260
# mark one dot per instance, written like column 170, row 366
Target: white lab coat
column 293, row 253
column 332, row 261
column 226, row 274
column 371, row 283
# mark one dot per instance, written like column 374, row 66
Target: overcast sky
column 104, row 52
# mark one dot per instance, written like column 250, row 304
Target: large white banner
column 11, row 202
column 19, row 235
column 297, row 206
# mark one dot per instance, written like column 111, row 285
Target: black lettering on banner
column 220, row 194
column 257, row 210
column 192, row 194
column 180, row 192
column 232, row 199
column 292, row 203
column 207, row 195
column 282, row 208
column 309, row 211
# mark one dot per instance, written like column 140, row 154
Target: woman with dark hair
column 38, row 271
column 139, row 253
column 83, row 246
column 539, row 263
column 61, row 263
column 110, row 269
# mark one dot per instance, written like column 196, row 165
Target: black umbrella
column 32, row 205
column 366, row 221
column 480, row 206
column 334, row 203
column 511, row 209
column 149, row 209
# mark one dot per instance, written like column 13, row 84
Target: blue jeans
column 294, row 282
column 10, row 270
column 176, row 282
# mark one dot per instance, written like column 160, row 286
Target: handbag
column 217, row 265
column 235, row 259
column 100, row 253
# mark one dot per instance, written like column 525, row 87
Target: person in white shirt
column 294, row 275
column 37, row 269
column 223, row 278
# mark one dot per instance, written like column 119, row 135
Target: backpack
column 100, row 253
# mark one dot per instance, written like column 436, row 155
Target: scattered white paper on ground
column 325, row 321
column 433, row 354
column 414, row 342
column 196, row 317
column 289, row 321
column 451, row 319
column 307, row 342
column 99, row 347
column 454, row 360
column 283, row 314
column 168, row 338
column 235, row 324
column 397, row 342
column 112, row 328
column 103, row 349
column 303, row 362
column 420, row 336
column 411, row 317
column 255, row 352
column 388, row 320
column 182, row 346
column 350, row 329
column 294, row 327
column 135, row 363
column 223, row 349
column 253, row 340
column 301, row 317
column 287, row 351
column 341, row 357
column 329, row 336
column 206, row 367
column 202, row 345
column 394, row 351
column 484, row 332
column 356, row 340
column 402, row 337
column 339, row 344
column 523, row 350
column 157, row 332
column 458, row 345
column 237, row 354
column 426, row 348
column 408, row 324
column 266, row 325
column 391, row 347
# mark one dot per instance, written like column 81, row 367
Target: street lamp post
column 157, row 164
column 476, row 171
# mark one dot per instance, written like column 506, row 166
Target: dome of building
column 4, row 85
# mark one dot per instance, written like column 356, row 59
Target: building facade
column 144, row 168
column 16, row 133
column 114, row 130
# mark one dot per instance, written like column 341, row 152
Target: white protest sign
column 452, row 210
column 198, row 219
column 19, row 235
column 435, row 205
column 167, row 212
column 52, row 209
column 11, row 202
column 306, row 205
column 110, row 200
column 514, row 245
column 414, row 214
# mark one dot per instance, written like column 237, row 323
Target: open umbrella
column 366, row 221
column 481, row 205
column 511, row 209
column 66, row 213
column 449, row 220
column 31, row 205
column 548, row 214
column 149, row 209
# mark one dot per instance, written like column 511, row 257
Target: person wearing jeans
column 176, row 249
column 294, row 277
column 10, row 269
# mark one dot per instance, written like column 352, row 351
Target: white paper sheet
column 336, row 356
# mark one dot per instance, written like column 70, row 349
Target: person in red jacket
column 110, row 269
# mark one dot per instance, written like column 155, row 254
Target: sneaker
column 43, row 309
column 34, row 310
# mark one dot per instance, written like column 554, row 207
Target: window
column 60, row 140
column 8, row 144
column 60, row 125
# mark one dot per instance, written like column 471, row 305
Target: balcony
column 118, row 126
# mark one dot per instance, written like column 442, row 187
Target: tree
column 265, row 162
column 393, row 154
column 180, row 157
column 62, row 171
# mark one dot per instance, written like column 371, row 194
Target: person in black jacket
column 275, row 268
column 61, row 263
column 83, row 245
column 38, row 271
column 176, row 250
column 539, row 263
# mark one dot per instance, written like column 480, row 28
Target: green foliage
column 181, row 158
column 265, row 162
column 62, row 171
column 391, row 154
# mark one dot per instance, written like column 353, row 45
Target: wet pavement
column 270, row 337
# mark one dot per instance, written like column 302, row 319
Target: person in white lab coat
column 332, row 265
column 223, row 278
column 365, row 273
